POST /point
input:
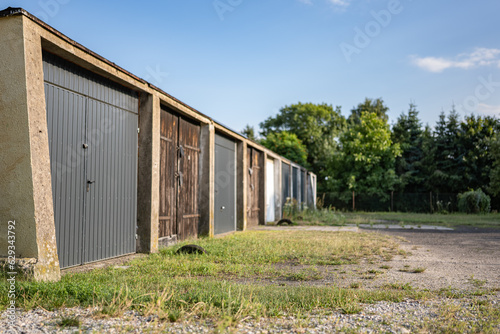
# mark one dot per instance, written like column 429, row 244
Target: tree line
column 365, row 154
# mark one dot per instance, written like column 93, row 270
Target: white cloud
column 479, row 57
column 488, row 110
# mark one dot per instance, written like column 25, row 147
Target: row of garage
column 118, row 166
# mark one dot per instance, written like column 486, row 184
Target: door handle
column 181, row 179
column 181, row 152
column 89, row 182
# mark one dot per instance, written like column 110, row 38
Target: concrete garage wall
column 25, row 178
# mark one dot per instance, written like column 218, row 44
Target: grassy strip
column 256, row 253
column 177, row 286
column 209, row 298
column 491, row 220
column 335, row 218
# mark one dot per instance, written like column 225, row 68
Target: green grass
column 231, row 282
column 491, row 220
column 477, row 316
column 68, row 322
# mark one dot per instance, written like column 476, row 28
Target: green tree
column 249, row 132
column 428, row 162
column 317, row 126
column 366, row 161
column 369, row 105
column 447, row 177
column 476, row 134
column 288, row 145
column 494, row 186
column 408, row 133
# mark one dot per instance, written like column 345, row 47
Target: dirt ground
column 462, row 259
column 465, row 258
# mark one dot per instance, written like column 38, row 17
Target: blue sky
column 240, row 61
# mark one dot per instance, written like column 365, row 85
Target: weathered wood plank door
column 168, row 167
column 188, row 214
column 254, row 175
column 179, row 177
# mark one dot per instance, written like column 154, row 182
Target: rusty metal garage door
column 92, row 125
column 255, row 161
column 179, row 177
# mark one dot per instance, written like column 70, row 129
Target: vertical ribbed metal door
column 67, row 160
column 92, row 124
column 295, row 183
column 285, row 183
column 225, row 185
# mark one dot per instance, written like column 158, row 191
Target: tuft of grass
column 475, row 317
column 399, row 286
column 322, row 216
column 308, row 274
column 66, row 322
column 407, row 269
column 477, row 282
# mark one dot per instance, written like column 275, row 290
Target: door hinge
column 138, row 130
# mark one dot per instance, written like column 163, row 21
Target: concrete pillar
column 25, row 178
column 148, row 187
column 207, row 176
column 241, row 186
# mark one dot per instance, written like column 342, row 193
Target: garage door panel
column 66, row 124
column 253, row 198
column 225, row 185
column 188, row 208
column 111, row 174
column 168, row 168
column 93, row 129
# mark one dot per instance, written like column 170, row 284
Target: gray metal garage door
column 285, row 184
column 225, row 185
column 92, row 124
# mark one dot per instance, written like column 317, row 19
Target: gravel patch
column 404, row 317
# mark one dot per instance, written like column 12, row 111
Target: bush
column 474, row 201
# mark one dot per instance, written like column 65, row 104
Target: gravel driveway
column 463, row 258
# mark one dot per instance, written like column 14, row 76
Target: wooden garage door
column 255, row 161
column 179, row 177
